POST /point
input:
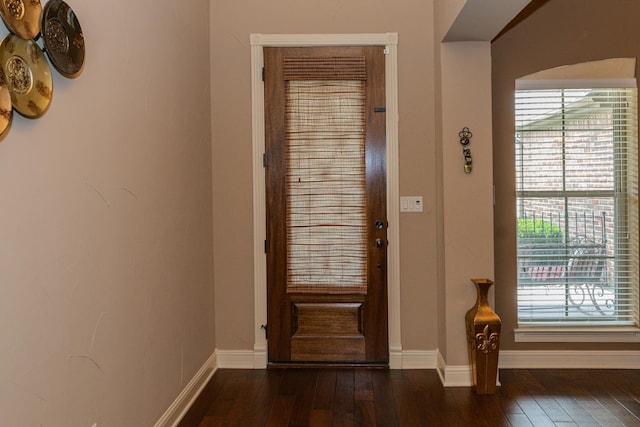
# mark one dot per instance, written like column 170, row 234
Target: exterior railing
column 579, row 266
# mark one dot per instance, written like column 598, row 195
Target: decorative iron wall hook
column 465, row 139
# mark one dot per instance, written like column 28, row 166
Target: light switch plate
column 411, row 204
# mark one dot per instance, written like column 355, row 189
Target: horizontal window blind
column 324, row 68
column 577, row 206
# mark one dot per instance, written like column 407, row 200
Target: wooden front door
column 326, row 205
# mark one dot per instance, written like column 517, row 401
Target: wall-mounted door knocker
column 465, row 139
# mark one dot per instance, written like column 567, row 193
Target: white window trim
column 614, row 72
column 390, row 41
column 619, row 334
column 574, row 84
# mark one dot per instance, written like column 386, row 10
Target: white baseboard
column 395, row 358
column 460, row 375
column 540, row 359
column 457, row 376
column 453, row 375
column 260, row 358
column 241, row 359
column 189, row 394
column 419, row 359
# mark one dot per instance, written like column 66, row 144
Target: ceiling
column 483, row 20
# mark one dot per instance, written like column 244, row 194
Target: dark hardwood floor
column 359, row 397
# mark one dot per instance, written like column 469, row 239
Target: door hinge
column 266, row 331
column 265, row 246
column 263, row 73
column 380, row 109
column 264, row 160
column 386, row 51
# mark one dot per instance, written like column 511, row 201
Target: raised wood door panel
column 327, row 331
column 327, row 322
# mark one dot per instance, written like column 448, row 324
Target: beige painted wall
column 446, row 12
column 233, row 22
column 467, row 198
column 105, row 226
column 559, row 33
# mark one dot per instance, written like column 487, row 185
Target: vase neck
column 483, row 291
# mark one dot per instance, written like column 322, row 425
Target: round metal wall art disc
column 27, row 75
column 22, row 17
column 63, row 38
column 6, row 110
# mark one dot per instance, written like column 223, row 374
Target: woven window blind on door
column 325, row 173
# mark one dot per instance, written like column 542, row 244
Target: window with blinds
column 325, row 173
column 577, row 205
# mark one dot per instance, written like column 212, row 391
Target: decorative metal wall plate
column 27, row 74
column 6, row 111
column 63, row 38
column 22, row 17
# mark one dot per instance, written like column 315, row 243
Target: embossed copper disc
column 22, row 17
column 63, row 38
column 27, row 74
column 6, row 111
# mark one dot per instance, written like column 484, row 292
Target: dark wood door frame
column 323, row 325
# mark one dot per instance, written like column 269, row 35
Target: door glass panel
column 325, row 185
